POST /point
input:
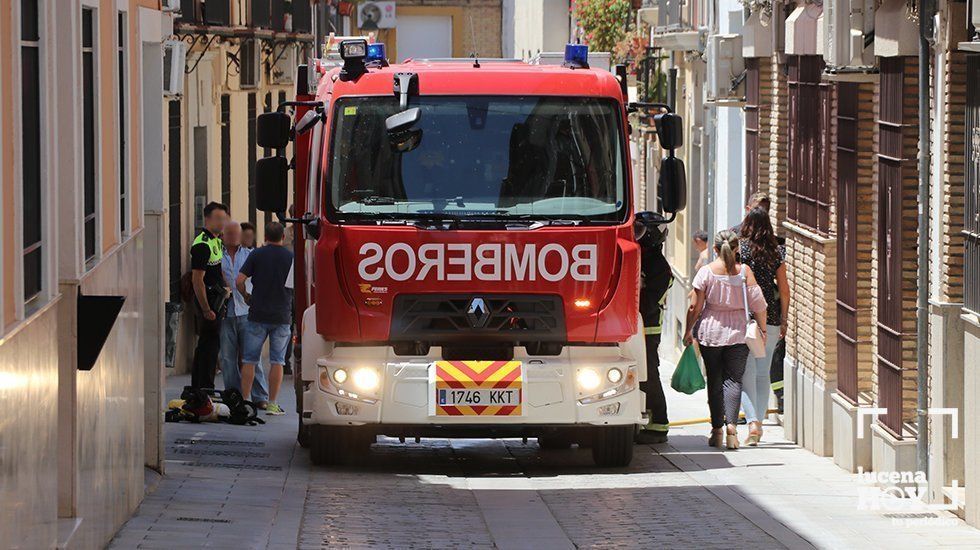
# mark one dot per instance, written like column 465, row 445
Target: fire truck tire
column 336, row 445
column 557, row 441
column 613, row 445
column 302, row 432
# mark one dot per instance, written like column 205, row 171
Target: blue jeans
column 255, row 337
column 755, row 381
column 232, row 349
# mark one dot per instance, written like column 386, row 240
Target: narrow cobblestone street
column 253, row 487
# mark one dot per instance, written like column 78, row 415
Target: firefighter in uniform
column 656, row 281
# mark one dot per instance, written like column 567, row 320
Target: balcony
column 256, row 17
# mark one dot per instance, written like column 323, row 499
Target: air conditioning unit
column 285, row 66
column 376, row 15
column 174, row 55
column 172, row 6
column 846, row 24
column 726, row 70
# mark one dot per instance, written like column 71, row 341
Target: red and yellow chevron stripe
column 496, row 375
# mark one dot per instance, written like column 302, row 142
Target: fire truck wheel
column 560, row 439
column 613, row 446
column 333, row 445
column 302, row 432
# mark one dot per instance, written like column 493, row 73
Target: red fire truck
column 466, row 264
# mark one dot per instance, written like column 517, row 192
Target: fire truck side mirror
column 271, row 184
column 673, row 185
column 670, row 130
column 272, row 130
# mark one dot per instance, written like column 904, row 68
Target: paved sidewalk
column 809, row 494
column 225, row 486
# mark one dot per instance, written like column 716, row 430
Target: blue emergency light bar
column 375, row 52
column 577, row 56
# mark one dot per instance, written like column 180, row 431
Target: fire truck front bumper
column 587, row 386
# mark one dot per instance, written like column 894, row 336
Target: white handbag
column 753, row 335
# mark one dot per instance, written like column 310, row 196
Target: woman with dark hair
column 723, row 291
column 759, row 249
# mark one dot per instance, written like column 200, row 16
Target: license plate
column 479, row 397
column 476, row 388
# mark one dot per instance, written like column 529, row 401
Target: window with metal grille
column 226, row 150
column 971, row 229
column 847, row 249
column 123, row 120
column 894, row 160
column 173, row 197
column 252, row 157
column 30, row 57
column 752, row 100
column 90, row 215
column 808, row 187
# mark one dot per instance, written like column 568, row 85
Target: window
column 847, row 240
column 89, row 134
column 971, row 233
column 251, row 158
column 123, row 129
column 248, row 64
column 808, row 189
column 226, row 149
column 480, row 158
column 896, row 163
column 173, row 197
column 752, row 125
column 30, row 51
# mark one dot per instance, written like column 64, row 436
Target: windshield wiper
column 556, row 219
column 427, row 220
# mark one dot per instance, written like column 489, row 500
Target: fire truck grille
column 456, row 318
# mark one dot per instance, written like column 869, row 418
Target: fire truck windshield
column 479, row 157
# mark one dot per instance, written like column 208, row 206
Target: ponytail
column 726, row 243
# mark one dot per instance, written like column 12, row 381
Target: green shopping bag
column 687, row 376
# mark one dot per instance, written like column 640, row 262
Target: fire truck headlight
column 614, row 375
column 367, row 379
column 340, row 376
column 588, row 379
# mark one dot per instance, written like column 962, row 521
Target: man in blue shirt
column 270, row 309
column 233, row 325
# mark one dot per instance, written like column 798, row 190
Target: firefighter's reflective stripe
column 776, row 385
column 657, row 427
column 658, row 327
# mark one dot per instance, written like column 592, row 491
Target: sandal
column 731, row 438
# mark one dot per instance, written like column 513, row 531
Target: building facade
column 239, row 62
column 79, row 167
column 831, row 133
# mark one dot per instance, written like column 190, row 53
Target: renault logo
column 478, row 313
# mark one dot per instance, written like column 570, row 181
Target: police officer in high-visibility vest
column 210, row 290
column 656, row 281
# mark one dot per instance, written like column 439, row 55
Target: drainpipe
column 926, row 11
